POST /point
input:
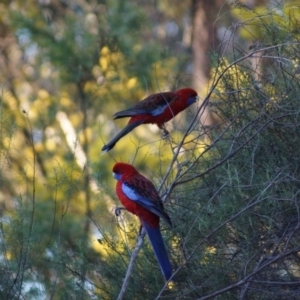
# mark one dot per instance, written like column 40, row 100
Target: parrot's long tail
column 129, row 127
column 159, row 248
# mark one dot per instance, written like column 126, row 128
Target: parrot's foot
column 165, row 134
column 118, row 211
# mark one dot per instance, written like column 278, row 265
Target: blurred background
column 65, row 68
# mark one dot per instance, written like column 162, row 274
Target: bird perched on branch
column 140, row 197
column 155, row 109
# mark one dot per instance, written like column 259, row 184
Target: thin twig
column 133, row 258
column 263, row 263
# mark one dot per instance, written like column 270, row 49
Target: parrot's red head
column 121, row 169
column 188, row 94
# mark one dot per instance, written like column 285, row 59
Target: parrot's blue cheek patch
column 117, row 176
column 192, row 100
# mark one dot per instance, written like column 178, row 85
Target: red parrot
column 140, row 197
column 155, row 109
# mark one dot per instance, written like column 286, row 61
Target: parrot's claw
column 165, row 133
column 118, row 211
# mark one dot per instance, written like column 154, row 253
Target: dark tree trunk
column 204, row 40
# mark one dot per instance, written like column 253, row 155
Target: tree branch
column 133, row 258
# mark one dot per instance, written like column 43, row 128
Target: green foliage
column 239, row 210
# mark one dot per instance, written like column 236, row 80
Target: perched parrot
column 140, row 197
column 155, row 109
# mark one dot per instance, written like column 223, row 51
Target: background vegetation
column 229, row 174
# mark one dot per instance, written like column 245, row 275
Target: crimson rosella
column 155, row 109
column 140, row 197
